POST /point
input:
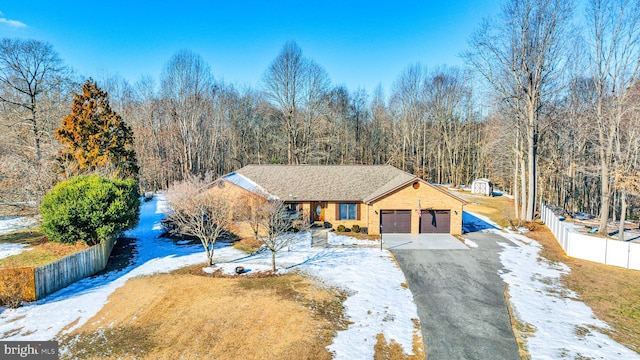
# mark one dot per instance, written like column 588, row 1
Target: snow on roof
column 248, row 184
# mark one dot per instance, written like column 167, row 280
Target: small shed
column 482, row 186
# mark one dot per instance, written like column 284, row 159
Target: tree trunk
column 273, row 261
column 531, row 190
column 623, row 214
column 516, row 194
column 604, row 192
column 523, row 187
column 34, row 122
column 209, row 253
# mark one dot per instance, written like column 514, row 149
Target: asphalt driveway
column 460, row 299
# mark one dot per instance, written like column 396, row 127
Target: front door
column 318, row 210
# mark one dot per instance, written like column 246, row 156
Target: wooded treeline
column 547, row 110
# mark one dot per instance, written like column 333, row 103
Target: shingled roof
column 323, row 182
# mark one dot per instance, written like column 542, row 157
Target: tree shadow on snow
column 472, row 223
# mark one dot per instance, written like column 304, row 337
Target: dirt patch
column 248, row 245
column 610, row 291
column 183, row 315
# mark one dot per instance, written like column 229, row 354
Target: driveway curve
column 460, row 300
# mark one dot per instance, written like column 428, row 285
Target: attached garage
column 396, row 221
column 435, row 221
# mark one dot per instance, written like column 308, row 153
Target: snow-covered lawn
column 365, row 274
column 13, row 224
column 17, row 223
column 7, row 250
column 564, row 326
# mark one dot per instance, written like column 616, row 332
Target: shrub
column 341, row 228
column 90, row 209
column 16, row 286
column 355, row 228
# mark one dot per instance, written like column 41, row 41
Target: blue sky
column 359, row 43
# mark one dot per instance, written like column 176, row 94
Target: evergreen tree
column 95, row 138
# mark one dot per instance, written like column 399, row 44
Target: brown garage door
column 396, row 221
column 435, row 221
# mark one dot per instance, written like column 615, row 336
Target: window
column 294, row 207
column 348, row 211
column 294, row 210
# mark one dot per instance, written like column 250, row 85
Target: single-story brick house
column 376, row 197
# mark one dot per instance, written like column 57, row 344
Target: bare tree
column 187, row 85
column 316, row 87
column 280, row 226
column 29, row 69
column 613, row 43
column 284, row 83
column 197, row 212
column 521, row 57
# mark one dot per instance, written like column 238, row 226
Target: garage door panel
column 435, row 221
column 396, row 221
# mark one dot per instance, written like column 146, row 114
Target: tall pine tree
column 95, row 138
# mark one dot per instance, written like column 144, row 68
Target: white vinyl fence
column 605, row 251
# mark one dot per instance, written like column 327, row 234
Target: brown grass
column 182, row 315
column 16, row 286
column 393, row 351
column 248, row 245
column 499, row 209
column 611, row 292
column 41, row 251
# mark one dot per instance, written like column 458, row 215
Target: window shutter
column 337, row 211
column 357, row 211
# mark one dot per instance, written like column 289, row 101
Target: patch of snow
column 335, row 239
column 17, row 223
column 583, row 216
column 470, row 243
column 9, row 249
column 564, row 326
column 183, row 242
